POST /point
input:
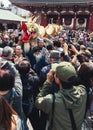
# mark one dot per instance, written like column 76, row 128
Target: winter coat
column 74, row 98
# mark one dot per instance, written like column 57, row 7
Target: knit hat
column 65, row 71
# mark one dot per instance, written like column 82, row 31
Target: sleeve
column 44, row 99
column 46, row 89
column 44, row 103
column 18, row 83
column 17, row 106
column 19, row 124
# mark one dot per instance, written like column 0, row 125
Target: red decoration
column 25, row 38
column 24, row 27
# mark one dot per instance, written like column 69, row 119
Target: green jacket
column 74, row 98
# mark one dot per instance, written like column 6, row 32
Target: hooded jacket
column 73, row 98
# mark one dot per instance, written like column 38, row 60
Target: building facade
column 72, row 14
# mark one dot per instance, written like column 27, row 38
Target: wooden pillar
column 90, row 25
column 44, row 20
column 74, row 26
column 90, row 20
column 59, row 20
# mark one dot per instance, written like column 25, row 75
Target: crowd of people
column 51, row 83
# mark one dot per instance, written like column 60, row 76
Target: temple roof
column 52, row 1
column 49, row 1
column 28, row 4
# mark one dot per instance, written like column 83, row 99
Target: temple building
column 73, row 14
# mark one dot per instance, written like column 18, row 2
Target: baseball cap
column 65, row 71
column 7, row 51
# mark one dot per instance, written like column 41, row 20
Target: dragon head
column 33, row 30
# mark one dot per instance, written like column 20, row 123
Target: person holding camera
column 65, row 108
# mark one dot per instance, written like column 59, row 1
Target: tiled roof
column 7, row 15
column 51, row 1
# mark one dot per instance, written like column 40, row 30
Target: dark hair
column 49, row 47
column 62, row 54
column 24, row 67
column 6, row 113
column 57, row 43
column 80, row 42
column 35, row 49
column 85, row 72
column 6, row 80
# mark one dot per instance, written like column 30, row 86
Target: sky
column 5, row 2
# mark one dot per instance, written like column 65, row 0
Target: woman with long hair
column 9, row 119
